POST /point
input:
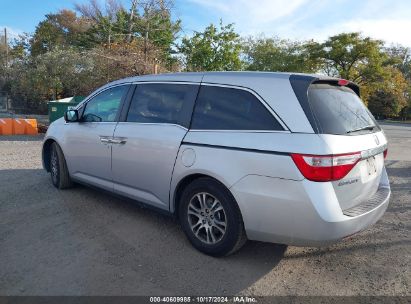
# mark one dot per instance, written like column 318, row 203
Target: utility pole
column 130, row 21
column 108, row 61
column 145, row 49
column 7, row 47
column 7, row 65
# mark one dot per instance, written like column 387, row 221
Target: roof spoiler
column 339, row 82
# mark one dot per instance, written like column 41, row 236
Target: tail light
column 385, row 153
column 324, row 168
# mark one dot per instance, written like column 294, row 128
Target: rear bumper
column 302, row 213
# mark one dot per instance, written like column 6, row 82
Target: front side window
column 163, row 103
column 219, row 108
column 105, row 106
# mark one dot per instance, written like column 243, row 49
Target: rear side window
column 338, row 110
column 219, row 108
column 163, row 103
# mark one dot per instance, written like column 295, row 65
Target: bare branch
column 130, row 21
column 112, row 8
column 91, row 10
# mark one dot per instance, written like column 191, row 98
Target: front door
column 149, row 139
column 87, row 143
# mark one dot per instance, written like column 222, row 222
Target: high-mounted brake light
column 343, row 82
column 324, row 168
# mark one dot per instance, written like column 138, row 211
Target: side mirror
column 71, row 116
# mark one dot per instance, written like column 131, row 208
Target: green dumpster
column 57, row 108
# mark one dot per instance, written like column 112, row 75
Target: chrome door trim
column 265, row 104
column 241, row 131
column 154, row 124
column 165, row 82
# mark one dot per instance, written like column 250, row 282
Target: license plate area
column 371, row 166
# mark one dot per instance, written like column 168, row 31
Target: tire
column 205, row 204
column 58, row 168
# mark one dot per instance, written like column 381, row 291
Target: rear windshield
column 338, row 110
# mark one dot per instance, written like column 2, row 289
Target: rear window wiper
column 362, row 129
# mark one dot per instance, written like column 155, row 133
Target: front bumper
column 301, row 213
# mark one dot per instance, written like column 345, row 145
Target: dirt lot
column 84, row 242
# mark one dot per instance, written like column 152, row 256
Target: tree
column 73, row 52
column 215, row 49
column 63, row 29
column 274, row 54
column 365, row 61
column 156, row 24
column 3, row 60
column 148, row 22
column 20, row 46
column 350, row 56
column 56, row 74
column 106, row 25
column 406, row 111
column 400, row 57
column 387, row 97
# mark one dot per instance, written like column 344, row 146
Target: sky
column 388, row 20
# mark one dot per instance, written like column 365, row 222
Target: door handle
column 105, row 140
column 119, row 141
column 109, row 140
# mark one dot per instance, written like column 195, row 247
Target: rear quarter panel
column 230, row 156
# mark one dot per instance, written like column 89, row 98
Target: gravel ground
column 84, row 242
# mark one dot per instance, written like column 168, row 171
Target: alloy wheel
column 207, row 218
column 54, row 166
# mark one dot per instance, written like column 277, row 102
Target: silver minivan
column 277, row 157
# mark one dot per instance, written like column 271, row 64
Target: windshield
column 338, row 110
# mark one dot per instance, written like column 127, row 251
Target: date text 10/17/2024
column 199, row 299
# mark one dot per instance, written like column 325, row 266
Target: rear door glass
column 338, row 110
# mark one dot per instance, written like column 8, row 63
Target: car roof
column 218, row 77
column 278, row 94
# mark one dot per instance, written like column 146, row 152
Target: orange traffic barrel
column 6, row 126
column 31, row 126
column 19, row 126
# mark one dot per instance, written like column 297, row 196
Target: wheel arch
column 183, row 183
column 46, row 152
